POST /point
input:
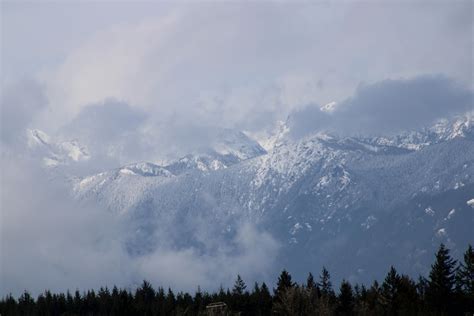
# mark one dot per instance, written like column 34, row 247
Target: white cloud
column 238, row 64
column 50, row 241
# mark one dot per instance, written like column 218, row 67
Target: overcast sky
column 151, row 78
column 241, row 65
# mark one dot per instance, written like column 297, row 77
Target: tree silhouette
column 441, row 281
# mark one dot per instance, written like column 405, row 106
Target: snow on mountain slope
column 442, row 131
column 226, row 149
column 323, row 197
column 333, row 165
column 234, row 143
column 55, row 152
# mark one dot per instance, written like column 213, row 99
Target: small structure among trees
column 217, row 309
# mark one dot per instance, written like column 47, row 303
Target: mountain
column 227, row 148
column 54, row 152
column 357, row 204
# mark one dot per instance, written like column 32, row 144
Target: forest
column 447, row 290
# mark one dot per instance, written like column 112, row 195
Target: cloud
column 20, row 104
column 51, row 241
column 252, row 253
column 395, row 105
column 106, row 121
column 48, row 240
column 387, row 107
column 242, row 65
column 191, row 69
column 112, row 130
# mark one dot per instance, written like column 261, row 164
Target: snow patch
column 295, row 228
column 329, row 107
column 470, row 203
column 128, row 172
column 441, row 232
column 429, row 211
column 451, row 214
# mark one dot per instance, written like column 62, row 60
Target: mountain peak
column 55, row 152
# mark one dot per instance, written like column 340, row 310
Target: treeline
column 448, row 290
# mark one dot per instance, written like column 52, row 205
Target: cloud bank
column 50, row 241
column 387, row 107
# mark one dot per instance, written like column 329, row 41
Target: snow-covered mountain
column 55, row 152
column 227, row 148
column 356, row 204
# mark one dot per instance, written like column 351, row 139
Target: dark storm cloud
column 387, row 107
column 394, row 105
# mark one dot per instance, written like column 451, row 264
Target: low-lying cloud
column 51, row 241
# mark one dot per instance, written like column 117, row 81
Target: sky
column 149, row 80
column 235, row 64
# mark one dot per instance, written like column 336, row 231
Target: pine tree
column 198, row 301
column 265, row 300
column 465, row 273
column 170, row 302
column 389, row 291
column 441, row 281
column 284, row 283
column 144, row 297
column 325, row 283
column 310, row 284
column 372, row 300
column 328, row 297
column 8, row 305
column 313, row 289
column 26, row 304
column 77, row 302
column 465, row 281
column 407, row 299
column 239, row 286
column 345, row 299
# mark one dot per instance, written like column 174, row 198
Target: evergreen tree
column 441, row 281
column 313, row 289
column 310, row 284
column 327, row 300
column 284, row 283
column 77, row 302
column 239, row 286
column 345, row 299
column 407, row 298
column 104, row 301
column 170, row 302
column 8, row 305
column 373, row 306
column 198, row 301
column 265, row 300
column 144, row 297
column 388, row 295
column 465, row 273
column 26, row 304
column 325, row 283
column 465, row 281
column 446, row 292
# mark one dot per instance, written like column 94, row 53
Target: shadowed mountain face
column 357, row 205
